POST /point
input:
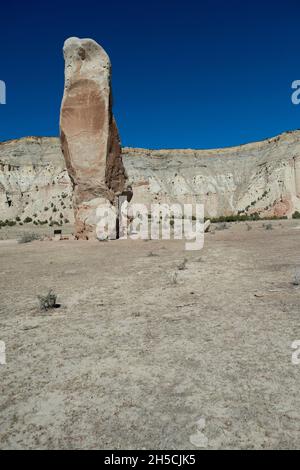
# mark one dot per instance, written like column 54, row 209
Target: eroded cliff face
column 259, row 177
column 34, row 184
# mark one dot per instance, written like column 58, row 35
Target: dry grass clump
column 182, row 265
column 28, row 237
column 296, row 278
column 222, row 226
column 47, row 301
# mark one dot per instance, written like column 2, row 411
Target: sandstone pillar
column 89, row 135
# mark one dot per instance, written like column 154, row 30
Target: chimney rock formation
column 89, row 135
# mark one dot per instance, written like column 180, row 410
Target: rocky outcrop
column 34, row 183
column 261, row 177
column 297, row 175
column 89, row 135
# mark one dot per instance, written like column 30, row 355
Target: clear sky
column 186, row 74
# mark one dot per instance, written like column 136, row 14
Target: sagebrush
column 47, row 301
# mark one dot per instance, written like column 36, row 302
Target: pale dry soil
column 132, row 360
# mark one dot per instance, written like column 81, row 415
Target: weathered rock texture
column 259, row 177
column 34, row 182
column 89, row 135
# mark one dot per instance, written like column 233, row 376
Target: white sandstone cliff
column 259, row 177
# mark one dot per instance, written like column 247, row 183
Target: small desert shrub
column 150, row 254
column 27, row 220
column 47, row 301
column 222, row 226
column 174, row 279
column 296, row 278
column 268, row 227
column 8, row 223
column 236, row 218
column 28, row 237
column 296, row 215
column 136, row 314
column 242, row 217
column 66, row 221
column 182, row 265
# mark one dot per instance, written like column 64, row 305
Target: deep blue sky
column 196, row 74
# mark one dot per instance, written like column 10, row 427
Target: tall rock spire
column 89, row 135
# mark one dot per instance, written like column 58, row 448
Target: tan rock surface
column 89, row 135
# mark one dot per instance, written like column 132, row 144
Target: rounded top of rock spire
column 84, row 58
column 91, row 47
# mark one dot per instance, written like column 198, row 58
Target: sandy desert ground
column 135, row 356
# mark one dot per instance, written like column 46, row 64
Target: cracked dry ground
column 132, row 359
